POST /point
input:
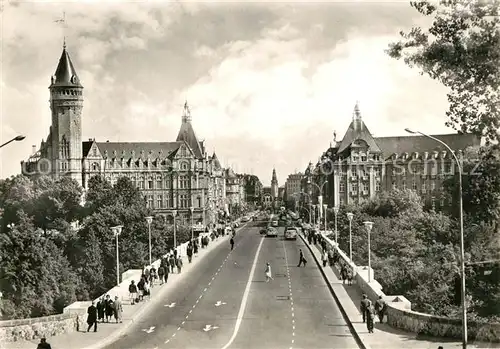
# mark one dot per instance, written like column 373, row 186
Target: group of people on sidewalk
column 104, row 311
column 369, row 311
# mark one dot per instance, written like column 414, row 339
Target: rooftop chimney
column 33, row 149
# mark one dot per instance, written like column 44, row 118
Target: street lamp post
column 174, row 213
column 349, row 217
column 462, row 248
column 320, row 194
column 149, row 219
column 116, row 232
column 16, row 139
column 369, row 226
column 191, row 209
column 325, row 206
column 336, row 211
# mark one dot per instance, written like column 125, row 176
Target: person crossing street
column 302, row 260
column 232, row 243
column 268, row 272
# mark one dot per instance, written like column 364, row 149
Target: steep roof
column 65, row 74
column 409, row 144
column 216, row 162
column 126, row 148
column 186, row 133
column 357, row 130
column 230, row 173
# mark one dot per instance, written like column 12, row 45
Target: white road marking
column 291, row 296
column 244, row 300
column 197, row 301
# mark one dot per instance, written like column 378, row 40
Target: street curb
column 353, row 331
column 114, row 336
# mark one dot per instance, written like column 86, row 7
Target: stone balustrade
column 74, row 315
column 400, row 315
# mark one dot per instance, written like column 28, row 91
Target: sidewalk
column 109, row 332
column 384, row 336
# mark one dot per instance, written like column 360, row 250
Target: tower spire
column 356, row 114
column 186, row 116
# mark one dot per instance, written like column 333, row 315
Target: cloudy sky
column 268, row 84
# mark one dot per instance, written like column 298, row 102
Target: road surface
column 295, row 310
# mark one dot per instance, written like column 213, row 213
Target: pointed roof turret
column 358, row 131
column 186, row 133
column 216, row 162
column 275, row 178
column 65, row 74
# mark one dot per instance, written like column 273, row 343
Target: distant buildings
column 361, row 166
column 292, row 188
column 174, row 176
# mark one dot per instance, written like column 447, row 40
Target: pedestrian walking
column 325, row 258
column 343, row 273
column 43, row 344
column 232, row 243
column 179, row 264
column 100, row 309
column 189, row 252
column 380, row 308
column 140, row 289
column 171, row 262
column 109, row 308
column 365, row 302
column 92, row 317
column 147, row 291
column 370, row 317
column 161, row 274
column 132, row 291
column 302, row 260
column 268, row 272
column 118, row 309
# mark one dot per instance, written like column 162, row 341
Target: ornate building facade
column 174, row 176
column 360, row 166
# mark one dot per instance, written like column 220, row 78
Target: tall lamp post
column 349, row 217
column 191, row 209
column 174, row 213
column 369, row 226
column 15, row 139
column 320, row 194
column 116, row 232
column 462, row 248
column 336, row 211
column 149, row 219
column 325, row 206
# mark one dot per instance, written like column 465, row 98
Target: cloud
column 267, row 83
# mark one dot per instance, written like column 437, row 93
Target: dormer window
column 394, row 156
column 354, row 157
column 426, row 155
column 435, row 154
column 363, row 157
column 415, row 155
column 443, row 154
column 405, row 156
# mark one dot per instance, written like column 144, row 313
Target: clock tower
column 66, row 104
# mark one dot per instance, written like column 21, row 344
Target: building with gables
column 173, row 176
column 360, row 166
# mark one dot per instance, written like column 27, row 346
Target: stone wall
column 400, row 315
column 29, row 329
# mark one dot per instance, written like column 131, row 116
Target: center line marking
column 244, row 300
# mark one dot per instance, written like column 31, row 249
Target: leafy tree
column 461, row 49
column 36, row 277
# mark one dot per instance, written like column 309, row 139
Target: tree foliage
column 416, row 253
column 461, row 49
column 46, row 263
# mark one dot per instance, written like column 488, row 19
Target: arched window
column 95, row 166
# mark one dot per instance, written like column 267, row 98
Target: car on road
column 291, row 233
column 245, row 219
column 272, row 232
column 274, row 223
column 263, row 231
